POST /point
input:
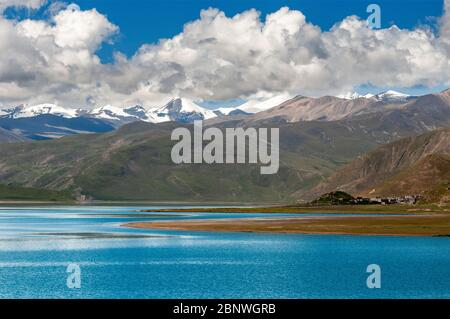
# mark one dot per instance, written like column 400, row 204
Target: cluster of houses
column 407, row 200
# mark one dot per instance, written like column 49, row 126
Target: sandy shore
column 414, row 225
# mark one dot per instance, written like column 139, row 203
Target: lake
column 38, row 243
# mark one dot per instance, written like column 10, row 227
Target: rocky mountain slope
column 412, row 166
column 430, row 178
column 183, row 110
column 330, row 108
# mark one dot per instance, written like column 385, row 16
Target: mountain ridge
column 133, row 161
column 160, row 113
column 417, row 158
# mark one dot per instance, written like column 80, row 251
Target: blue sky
column 147, row 21
column 143, row 22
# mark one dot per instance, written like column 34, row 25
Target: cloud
column 71, row 29
column 219, row 57
column 53, row 59
column 31, row 4
column 445, row 22
column 215, row 58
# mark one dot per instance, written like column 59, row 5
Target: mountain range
column 133, row 161
column 47, row 121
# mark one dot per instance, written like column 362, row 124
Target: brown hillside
column 386, row 170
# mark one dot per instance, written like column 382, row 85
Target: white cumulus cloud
column 31, row 4
column 215, row 58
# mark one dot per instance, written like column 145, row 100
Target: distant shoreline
column 384, row 220
column 135, row 202
column 418, row 220
column 330, row 209
column 411, row 225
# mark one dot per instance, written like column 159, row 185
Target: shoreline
column 332, row 209
column 231, row 207
column 412, row 225
column 137, row 203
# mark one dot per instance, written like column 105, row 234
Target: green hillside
column 133, row 163
column 14, row 193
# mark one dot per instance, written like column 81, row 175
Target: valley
column 132, row 161
column 183, row 153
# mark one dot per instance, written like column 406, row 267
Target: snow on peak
column 182, row 110
column 392, row 95
column 389, row 95
column 178, row 109
column 190, row 106
column 260, row 105
column 108, row 112
column 354, row 95
column 41, row 109
column 137, row 112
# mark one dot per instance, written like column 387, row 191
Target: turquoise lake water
column 38, row 243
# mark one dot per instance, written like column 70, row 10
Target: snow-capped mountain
column 51, row 120
column 392, row 96
column 253, row 106
column 256, row 106
column 119, row 115
column 180, row 110
column 108, row 112
column 354, row 95
column 387, row 96
column 50, row 126
column 137, row 111
column 331, row 108
column 35, row 110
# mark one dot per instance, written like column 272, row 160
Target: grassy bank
column 335, row 209
column 411, row 225
column 13, row 194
